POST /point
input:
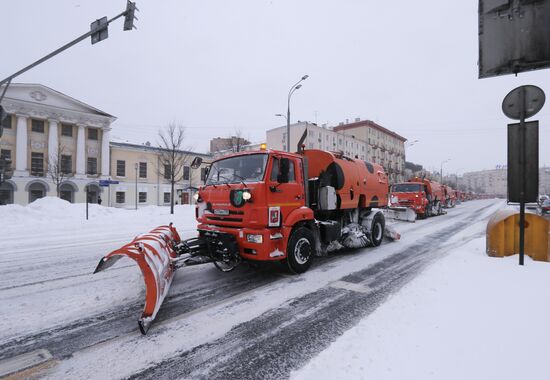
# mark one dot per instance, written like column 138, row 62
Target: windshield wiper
column 241, row 179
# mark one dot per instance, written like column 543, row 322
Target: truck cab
column 410, row 194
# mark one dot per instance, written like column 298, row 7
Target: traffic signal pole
column 130, row 8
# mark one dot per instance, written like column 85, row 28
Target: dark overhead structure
column 514, row 36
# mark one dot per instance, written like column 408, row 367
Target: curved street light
column 295, row 86
column 441, row 173
column 411, row 143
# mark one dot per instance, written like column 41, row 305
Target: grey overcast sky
column 221, row 65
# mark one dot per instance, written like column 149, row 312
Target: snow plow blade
column 406, row 214
column 154, row 254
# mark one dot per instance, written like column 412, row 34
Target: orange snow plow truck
column 263, row 206
column 425, row 197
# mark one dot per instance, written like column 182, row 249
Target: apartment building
column 362, row 139
column 494, row 181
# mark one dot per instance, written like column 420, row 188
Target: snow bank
column 49, row 251
column 468, row 316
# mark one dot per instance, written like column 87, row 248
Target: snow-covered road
column 250, row 323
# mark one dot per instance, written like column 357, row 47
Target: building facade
column 144, row 180
column 364, row 140
column 51, row 139
column 495, row 182
column 44, row 126
column 233, row 143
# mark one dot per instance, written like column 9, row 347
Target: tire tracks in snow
column 284, row 339
column 185, row 297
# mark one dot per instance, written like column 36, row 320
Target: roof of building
column 368, row 123
column 144, row 147
column 46, row 88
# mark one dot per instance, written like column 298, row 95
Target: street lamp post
column 456, row 175
column 441, row 172
column 294, row 87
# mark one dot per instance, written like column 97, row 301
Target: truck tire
column 439, row 209
column 377, row 230
column 300, row 250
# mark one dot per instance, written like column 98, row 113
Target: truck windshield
column 406, row 188
column 247, row 168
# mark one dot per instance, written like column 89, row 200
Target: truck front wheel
column 300, row 250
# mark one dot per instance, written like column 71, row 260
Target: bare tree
column 172, row 156
column 58, row 169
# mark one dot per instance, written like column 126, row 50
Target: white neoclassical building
column 43, row 124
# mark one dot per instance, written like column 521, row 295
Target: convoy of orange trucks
column 269, row 205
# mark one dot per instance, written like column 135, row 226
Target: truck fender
column 302, row 214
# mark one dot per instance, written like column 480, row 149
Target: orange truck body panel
column 357, row 183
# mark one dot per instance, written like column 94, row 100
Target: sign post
column 522, row 103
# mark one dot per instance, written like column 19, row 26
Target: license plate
column 221, row 212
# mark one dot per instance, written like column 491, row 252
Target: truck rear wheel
column 300, row 249
column 377, row 230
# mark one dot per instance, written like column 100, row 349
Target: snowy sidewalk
column 468, row 316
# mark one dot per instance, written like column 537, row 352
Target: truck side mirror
column 284, row 168
column 197, row 161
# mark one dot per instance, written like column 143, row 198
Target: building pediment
column 36, row 100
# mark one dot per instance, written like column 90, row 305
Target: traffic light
column 129, row 16
column 3, row 116
column 100, row 29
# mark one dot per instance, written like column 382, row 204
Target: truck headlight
column 252, row 238
column 247, row 195
column 196, row 196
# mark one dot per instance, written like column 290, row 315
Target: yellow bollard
column 503, row 235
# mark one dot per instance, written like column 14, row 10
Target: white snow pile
column 468, row 316
column 49, row 251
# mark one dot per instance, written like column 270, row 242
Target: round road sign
column 534, row 100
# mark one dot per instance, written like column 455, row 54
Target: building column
column 105, row 153
column 81, row 151
column 53, row 142
column 21, row 146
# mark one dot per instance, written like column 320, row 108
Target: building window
column 143, row 170
column 37, row 126
column 203, row 174
column 66, row 164
column 120, row 168
column 92, row 134
column 166, row 197
column 66, row 130
column 142, row 197
column 5, row 154
column 120, row 197
column 37, row 164
column 186, row 173
column 92, row 166
column 7, row 122
column 167, row 171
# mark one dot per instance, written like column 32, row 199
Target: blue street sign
column 107, row 182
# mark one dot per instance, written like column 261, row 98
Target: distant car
column 545, row 207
